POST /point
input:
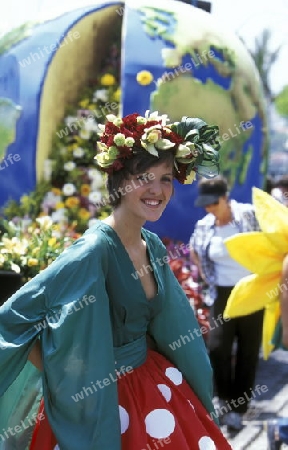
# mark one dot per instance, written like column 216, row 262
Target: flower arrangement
column 195, row 143
column 187, row 274
column 72, row 193
column 27, row 247
column 72, row 190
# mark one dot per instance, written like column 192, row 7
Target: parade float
column 173, row 58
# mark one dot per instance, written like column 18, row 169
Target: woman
column 96, row 361
column 234, row 377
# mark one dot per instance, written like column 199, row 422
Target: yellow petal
column 271, row 317
column 255, row 252
column 251, row 294
column 190, row 178
column 273, row 218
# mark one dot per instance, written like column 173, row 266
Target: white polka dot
column 206, row 443
column 191, row 405
column 174, row 375
column 165, row 391
column 124, row 419
column 57, row 447
column 160, row 423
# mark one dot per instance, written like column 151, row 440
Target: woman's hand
column 285, row 338
column 35, row 356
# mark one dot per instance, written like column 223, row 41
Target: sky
column 247, row 18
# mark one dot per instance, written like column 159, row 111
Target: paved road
column 270, row 404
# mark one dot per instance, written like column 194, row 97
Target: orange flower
column 85, row 190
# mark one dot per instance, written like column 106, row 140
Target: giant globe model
column 176, row 59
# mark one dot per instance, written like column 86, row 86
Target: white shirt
column 228, row 272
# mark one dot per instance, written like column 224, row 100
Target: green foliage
column 281, row 102
column 29, row 205
column 14, row 36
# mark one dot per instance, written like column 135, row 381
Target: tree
column 264, row 58
column 281, row 102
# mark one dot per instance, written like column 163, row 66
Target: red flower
column 181, row 173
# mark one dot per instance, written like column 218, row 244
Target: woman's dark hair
column 219, row 184
column 141, row 161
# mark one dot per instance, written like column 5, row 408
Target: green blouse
column 92, row 315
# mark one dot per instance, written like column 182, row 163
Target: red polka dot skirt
column 157, row 410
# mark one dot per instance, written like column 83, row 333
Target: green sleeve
column 77, row 347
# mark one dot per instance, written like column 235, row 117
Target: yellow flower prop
column 262, row 253
column 144, row 77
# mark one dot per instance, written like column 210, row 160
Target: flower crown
column 195, row 143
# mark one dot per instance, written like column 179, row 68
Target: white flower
column 92, row 126
column 93, row 173
column 15, row 268
column 78, row 152
column 97, row 183
column 70, row 119
column 95, row 197
column 50, row 200
column 59, row 215
column 100, row 94
column 129, row 141
column 111, row 117
column 47, row 169
column 70, row 165
column 45, row 222
column 68, row 189
column 164, row 144
column 117, row 122
column 119, row 139
column 84, row 134
column 96, row 178
column 185, row 149
column 155, row 116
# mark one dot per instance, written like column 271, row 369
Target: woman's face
column 146, row 195
column 220, row 208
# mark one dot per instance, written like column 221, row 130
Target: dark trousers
column 234, row 374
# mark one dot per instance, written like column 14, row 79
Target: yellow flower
column 85, row 189
column 32, row 262
column 56, row 191
column 84, row 103
column 72, row 202
column 72, row 147
column 52, row 241
column 84, row 214
column 190, row 178
column 144, row 77
column 59, row 205
column 117, row 95
column 108, row 80
column 262, row 253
